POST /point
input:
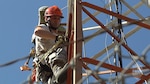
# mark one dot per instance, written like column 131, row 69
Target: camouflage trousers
column 48, row 69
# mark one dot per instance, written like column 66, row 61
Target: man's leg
column 57, row 60
column 43, row 72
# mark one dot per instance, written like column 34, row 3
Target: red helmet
column 53, row 10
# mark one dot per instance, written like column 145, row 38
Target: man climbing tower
column 46, row 34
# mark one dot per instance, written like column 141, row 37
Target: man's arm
column 44, row 33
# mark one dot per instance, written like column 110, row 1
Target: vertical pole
column 120, row 30
column 78, row 34
column 70, row 35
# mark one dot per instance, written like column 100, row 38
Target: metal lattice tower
column 104, row 28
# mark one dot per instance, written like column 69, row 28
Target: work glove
column 62, row 39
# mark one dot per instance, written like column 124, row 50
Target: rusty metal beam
column 143, row 79
column 115, row 14
column 114, row 36
column 115, row 68
column 70, row 36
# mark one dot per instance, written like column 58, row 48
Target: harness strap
column 50, row 51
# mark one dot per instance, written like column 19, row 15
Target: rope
column 50, row 51
column 14, row 61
